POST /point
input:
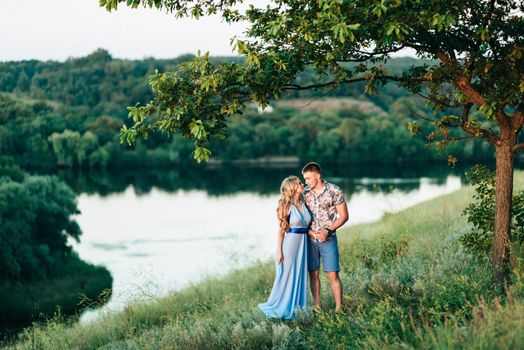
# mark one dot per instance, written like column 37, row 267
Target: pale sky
column 58, row 29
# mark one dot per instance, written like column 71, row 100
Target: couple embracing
column 308, row 219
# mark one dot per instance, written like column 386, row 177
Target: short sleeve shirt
column 323, row 206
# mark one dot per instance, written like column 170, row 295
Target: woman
column 289, row 293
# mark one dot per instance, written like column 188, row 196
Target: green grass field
column 407, row 284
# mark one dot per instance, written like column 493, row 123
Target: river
column 158, row 231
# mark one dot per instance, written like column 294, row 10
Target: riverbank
column 40, row 273
column 72, row 286
column 407, row 283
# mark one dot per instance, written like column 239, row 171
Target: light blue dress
column 290, row 290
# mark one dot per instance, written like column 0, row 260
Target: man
column 328, row 206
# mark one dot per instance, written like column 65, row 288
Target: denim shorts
column 327, row 251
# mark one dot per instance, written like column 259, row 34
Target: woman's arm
column 280, row 240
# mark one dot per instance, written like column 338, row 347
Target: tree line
column 68, row 114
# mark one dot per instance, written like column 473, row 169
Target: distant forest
column 68, row 114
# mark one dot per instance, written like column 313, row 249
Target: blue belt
column 298, row 230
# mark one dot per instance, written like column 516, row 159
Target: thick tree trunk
column 503, row 198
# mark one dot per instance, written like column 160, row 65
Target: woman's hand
column 322, row 235
column 280, row 257
column 313, row 235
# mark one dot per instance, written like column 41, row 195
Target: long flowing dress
column 290, row 289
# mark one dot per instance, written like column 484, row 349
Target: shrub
column 481, row 213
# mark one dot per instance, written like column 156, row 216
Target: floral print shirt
column 323, row 206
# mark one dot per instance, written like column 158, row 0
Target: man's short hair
column 313, row 167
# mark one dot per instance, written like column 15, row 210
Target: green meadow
column 408, row 284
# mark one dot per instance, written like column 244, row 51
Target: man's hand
column 313, row 234
column 322, row 235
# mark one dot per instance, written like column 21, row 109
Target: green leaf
column 390, row 28
column 414, row 128
column 488, row 110
column 201, row 154
column 242, row 47
column 197, row 12
column 197, row 129
column 484, row 35
column 128, row 135
column 252, row 59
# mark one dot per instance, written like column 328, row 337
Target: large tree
column 476, row 83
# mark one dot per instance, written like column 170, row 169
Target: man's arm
column 343, row 216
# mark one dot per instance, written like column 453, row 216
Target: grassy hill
column 407, row 284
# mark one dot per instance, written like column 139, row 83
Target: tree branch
column 316, row 99
column 486, row 19
column 367, row 55
column 486, row 134
column 464, row 85
column 462, row 82
column 474, row 132
column 518, row 118
column 376, row 53
column 320, row 85
column 354, row 80
column 471, row 137
column 434, row 100
column 518, row 147
column 417, row 114
column 419, row 47
column 465, row 113
column 359, row 60
column 503, row 119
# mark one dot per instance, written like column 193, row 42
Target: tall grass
column 407, row 284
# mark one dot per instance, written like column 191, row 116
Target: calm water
column 161, row 230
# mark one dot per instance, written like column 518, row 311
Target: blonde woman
column 290, row 289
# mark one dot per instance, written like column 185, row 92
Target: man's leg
column 336, row 286
column 331, row 264
column 315, row 287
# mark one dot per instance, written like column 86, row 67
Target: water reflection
column 229, row 179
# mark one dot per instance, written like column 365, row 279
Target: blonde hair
column 288, row 190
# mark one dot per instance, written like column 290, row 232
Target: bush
column 481, row 213
column 40, row 272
